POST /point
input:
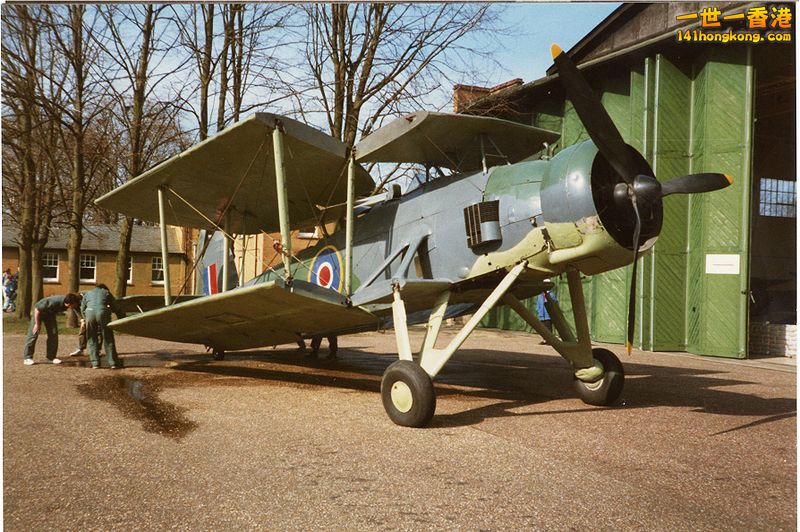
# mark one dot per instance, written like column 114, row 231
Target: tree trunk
column 24, row 303
column 37, row 283
column 237, row 58
column 76, row 227
column 78, row 167
column 125, row 233
column 205, row 68
column 24, row 291
column 228, row 16
column 136, row 166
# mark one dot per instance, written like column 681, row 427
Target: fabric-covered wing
column 452, row 141
column 266, row 314
column 238, row 166
column 141, row 303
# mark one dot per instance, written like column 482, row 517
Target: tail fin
column 210, row 267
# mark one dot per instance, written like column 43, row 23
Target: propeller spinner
column 638, row 184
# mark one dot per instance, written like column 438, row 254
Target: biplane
column 494, row 219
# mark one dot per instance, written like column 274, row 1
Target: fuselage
column 541, row 211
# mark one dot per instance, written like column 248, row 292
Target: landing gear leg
column 599, row 376
column 403, row 387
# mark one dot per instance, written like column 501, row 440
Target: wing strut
column 226, row 252
column 162, row 223
column 351, row 196
column 283, row 202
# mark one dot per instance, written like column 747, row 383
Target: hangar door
column 773, row 236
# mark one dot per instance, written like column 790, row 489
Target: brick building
column 99, row 257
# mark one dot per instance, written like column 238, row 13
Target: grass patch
column 14, row 325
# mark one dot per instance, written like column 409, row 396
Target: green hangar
column 721, row 280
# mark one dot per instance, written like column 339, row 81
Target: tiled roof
column 145, row 238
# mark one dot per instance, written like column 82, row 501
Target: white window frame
column 46, row 255
column 130, row 270
column 153, row 262
column 777, row 198
column 308, row 233
column 84, row 263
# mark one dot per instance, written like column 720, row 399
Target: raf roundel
column 326, row 269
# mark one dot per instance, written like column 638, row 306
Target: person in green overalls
column 97, row 306
column 45, row 311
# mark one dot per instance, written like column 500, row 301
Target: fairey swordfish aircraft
column 493, row 228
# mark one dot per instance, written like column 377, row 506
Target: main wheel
column 605, row 391
column 218, row 354
column 407, row 394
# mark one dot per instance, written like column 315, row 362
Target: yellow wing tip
column 555, row 50
column 729, row 178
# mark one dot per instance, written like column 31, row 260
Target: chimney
column 464, row 94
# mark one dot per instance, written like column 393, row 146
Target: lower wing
column 271, row 313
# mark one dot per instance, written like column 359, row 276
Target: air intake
column 482, row 222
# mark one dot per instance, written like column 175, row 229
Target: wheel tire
column 218, row 354
column 607, row 390
column 407, row 394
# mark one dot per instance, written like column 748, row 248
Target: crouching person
column 44, row 312
column 97, row 306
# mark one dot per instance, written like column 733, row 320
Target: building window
column 309, row 233
column 157, row 276
column 129, row 272
column 777, row 198
column 88, row 268
column 50, row 267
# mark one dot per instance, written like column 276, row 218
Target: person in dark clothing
column 81, row 337
column 97, row 306
column 81, row 340
column 542, row 312
column 44, row 312
column 333, row 346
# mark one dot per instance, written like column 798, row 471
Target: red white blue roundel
column 326, row 269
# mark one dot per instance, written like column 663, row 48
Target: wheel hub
column 402, row 398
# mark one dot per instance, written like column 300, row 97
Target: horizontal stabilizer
column 272, row 313
column 237, row 167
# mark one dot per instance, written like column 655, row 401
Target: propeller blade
column 694, row 183
column 598, row 123
column 632, row 301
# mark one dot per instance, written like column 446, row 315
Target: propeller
column 639, row 187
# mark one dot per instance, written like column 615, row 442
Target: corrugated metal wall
column 686, row 115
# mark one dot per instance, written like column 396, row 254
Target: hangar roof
column 630, row 27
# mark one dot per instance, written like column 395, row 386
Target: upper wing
column 271, row 313
column 238, row 166
column 452, row 141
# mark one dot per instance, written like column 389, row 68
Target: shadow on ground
column 472, row 376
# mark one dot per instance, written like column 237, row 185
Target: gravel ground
column 268, row 439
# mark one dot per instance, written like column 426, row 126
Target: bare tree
column 195, row 25
column 257, row 33
column 367, row 61
column 233, row 49
column 73, row 33
column 147, row 125
column 228, row 20
column 21, row 40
